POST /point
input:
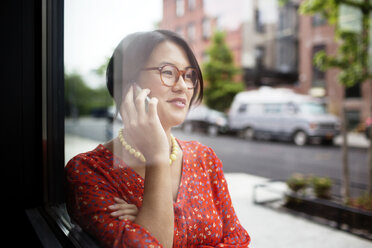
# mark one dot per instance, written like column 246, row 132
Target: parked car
column 282, row 114
column 205, row 119
column 368, row 124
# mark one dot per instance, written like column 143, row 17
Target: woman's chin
column 174, row 122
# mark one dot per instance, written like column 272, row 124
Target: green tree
column 218, row 73
column 352, row 56
column 81, row 99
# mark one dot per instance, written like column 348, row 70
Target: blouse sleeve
column 89, row 193
column 234, row 235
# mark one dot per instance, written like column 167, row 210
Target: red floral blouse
column 203, row 212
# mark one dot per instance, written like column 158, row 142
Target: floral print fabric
column 203, row 212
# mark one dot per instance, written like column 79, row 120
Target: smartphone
column 137, row 91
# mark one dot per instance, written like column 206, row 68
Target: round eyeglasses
column 170, row 74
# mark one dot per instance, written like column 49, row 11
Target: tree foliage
column 81, row 99
column 218, row 73
column 352, row 55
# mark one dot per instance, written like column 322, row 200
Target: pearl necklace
column 139, row 155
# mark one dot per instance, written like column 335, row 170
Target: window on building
column 179, row 31
column 206, row 25
column 259, row 54
column 353, row 118
column 318, row 75
column 287, row 52
column 191, row 4
column 180, row 7
column 318, row 20
column 353, row 91
column 259, row 25
column 281, row 20
column 191, row 35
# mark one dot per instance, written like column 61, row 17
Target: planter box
column 342, row 215
column 329, row 212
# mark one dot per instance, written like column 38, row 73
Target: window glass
column 192, row 4
column 263, row 62
column 318, row 75
column 272, row 108
column 260, row 28
column 206, row 28
column 319, row 20
column 353, row 91
column 243, row 108
column 179, row 31
column 312, row 108
column 180, row 7
column 191, row 32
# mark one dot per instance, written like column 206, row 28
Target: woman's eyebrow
column 166, row 63
column 169, row 63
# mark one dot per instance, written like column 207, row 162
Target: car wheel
column 300, row 138
column 187, row 127
column 248, row 133
column 212, row 130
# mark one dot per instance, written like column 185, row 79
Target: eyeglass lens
column 170, row 75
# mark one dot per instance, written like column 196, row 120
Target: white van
column 281, row 114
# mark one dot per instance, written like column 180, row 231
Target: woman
column 146, row 188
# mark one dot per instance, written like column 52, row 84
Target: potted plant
column 297, row 183
column 363, row 202
column 322, row 187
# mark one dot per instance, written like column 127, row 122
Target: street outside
column 274, row 160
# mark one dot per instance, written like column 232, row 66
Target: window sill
column 54, row 228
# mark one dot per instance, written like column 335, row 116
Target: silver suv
column 281, row 114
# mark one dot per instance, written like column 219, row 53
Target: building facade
column 277, row 53
column 270, row 46
column 189, row 19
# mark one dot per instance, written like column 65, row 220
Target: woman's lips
column 178, row 102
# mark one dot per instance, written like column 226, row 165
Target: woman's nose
column 180, row 83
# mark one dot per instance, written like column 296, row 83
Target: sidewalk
column 357, row 140
column 267, row 228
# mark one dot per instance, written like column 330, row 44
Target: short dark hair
column 132, row 54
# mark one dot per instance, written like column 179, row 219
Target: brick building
column 190, row 19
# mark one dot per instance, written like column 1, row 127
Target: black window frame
column 47, row 214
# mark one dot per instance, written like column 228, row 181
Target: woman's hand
column 143, row 129
column 123, row 210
